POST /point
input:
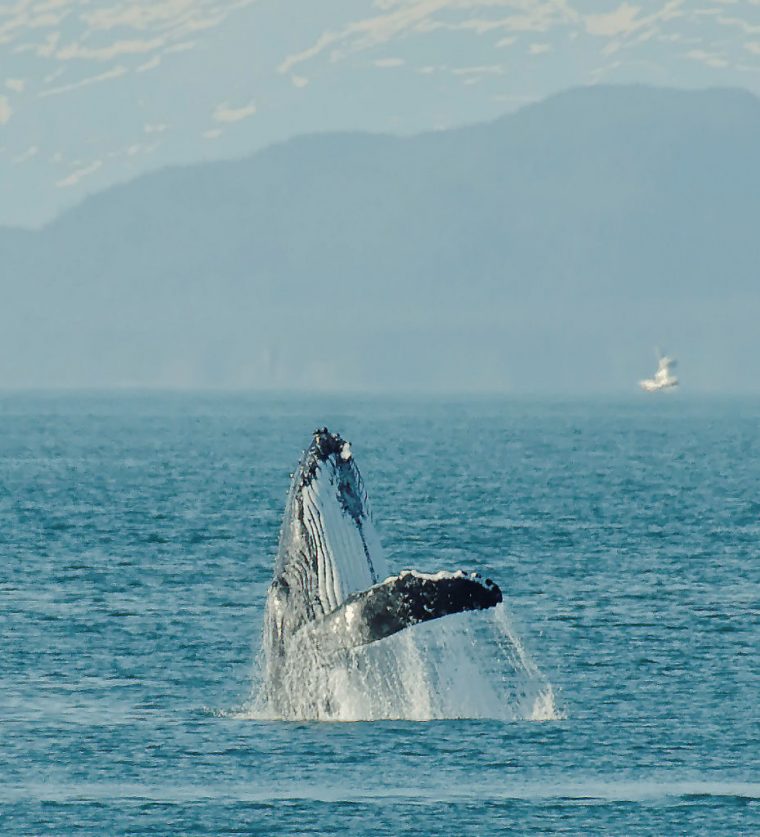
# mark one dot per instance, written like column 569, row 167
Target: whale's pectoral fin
column 406, row 600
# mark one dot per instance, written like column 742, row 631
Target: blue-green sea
column 137, row 539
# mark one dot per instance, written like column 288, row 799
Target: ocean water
column 137, row 535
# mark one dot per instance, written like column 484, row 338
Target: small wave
column 601, row 792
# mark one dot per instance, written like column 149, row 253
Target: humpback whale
column 332, row 589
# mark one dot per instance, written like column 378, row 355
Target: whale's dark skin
column 409, row 599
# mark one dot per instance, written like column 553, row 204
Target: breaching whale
column 332, row 589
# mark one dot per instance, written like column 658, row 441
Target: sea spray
column 468, row 665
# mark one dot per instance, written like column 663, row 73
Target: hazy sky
column 93, row 93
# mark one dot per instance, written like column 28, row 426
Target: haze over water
column 139, row 533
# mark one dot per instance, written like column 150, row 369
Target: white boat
column 663, row 379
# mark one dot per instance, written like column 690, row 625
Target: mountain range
column 548, row 251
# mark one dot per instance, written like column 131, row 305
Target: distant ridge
column 505, row 256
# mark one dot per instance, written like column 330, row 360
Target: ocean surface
column 137, row 537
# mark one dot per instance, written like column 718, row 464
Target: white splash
column 469, row 665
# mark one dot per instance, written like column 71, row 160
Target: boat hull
column 650, row 385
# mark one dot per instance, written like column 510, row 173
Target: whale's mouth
column 324, row 445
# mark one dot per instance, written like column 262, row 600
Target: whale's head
column 328, row 546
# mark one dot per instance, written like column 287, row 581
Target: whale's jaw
column 328, row 548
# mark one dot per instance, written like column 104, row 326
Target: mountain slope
column 548, row 250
